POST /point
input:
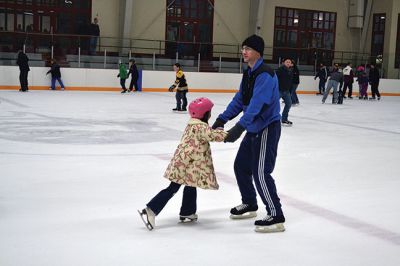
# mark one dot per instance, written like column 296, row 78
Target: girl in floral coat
column 190, row 166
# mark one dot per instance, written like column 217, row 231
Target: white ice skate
column 188, row 218
column 148, row 218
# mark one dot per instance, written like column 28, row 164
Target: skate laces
column 268, row 218
column 241, row 207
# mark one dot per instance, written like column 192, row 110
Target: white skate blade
column 270, row 228
column 287, row 125
column 246, row 215
column 146, row 223
column 187, row 220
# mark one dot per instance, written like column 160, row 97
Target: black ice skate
column 244, row 211
column 287, row 123
column 270, row 224
column 148, row 218
column 188, row 218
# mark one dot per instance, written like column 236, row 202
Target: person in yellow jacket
column 181, row 87
column 191, row 165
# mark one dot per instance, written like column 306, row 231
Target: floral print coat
column 192, row 163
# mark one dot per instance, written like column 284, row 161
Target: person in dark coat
column 55, row 75
column 296, row 81
column 94, row 31
column 135, row 75
column 374, row 77
column 322, row 74
column 285, row 78
column 22, row 62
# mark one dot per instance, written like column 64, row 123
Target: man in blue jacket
column 258, row 99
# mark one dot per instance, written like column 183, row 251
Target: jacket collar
column 257, row 64
column 195, row 121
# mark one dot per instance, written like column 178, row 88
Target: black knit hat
column 255, row 42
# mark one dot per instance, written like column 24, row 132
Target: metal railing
column 76, row 51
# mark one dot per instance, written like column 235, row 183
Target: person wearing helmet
column 122, row 75
column 181, row 89
column 191, row 165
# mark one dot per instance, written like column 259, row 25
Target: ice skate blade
column 246, row 215
column 146, row 223
column 187, row 220
column 287, row 125
column 270, row 228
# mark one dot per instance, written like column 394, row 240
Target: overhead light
column 383, row 17
column 28, row 13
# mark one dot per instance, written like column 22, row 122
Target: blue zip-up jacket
column 264, row 106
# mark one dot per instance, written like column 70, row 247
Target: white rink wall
column 106, row 79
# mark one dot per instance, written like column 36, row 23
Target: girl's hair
column 177, row 65
column 206, row 117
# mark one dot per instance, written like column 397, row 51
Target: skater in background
column 55, row 75
column 359, row 73
column 181, row 89
column 258, row 99
column 285, row 78
column 191, row 165
column 296, row 81
column 340, row 90
column 322, row 74
column 22, row 62
column 334, row 80
column 122, row 75
column 363, row 85
column 135, row 75
column 348, row 79
column 374, row 77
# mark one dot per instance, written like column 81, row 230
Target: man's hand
column 171, row 88
column 218, row 123
column 234, row 133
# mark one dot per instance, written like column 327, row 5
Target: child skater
column 181, row 89
column 122, row 75
column 55, row 75
column 190, row 166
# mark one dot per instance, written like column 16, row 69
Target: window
column 298, row 31
column 58, row 16
column 378, row 34
column 320, row 25
column 189, row 27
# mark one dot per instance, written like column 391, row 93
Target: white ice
column 76, row 166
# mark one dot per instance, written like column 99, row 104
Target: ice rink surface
column 76, row 166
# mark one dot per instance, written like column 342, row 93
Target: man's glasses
column 246, row 49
